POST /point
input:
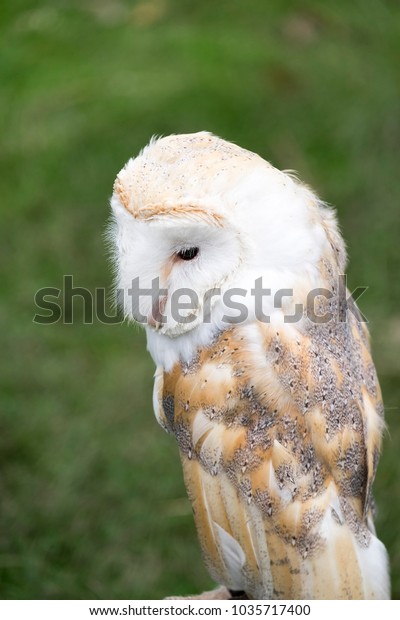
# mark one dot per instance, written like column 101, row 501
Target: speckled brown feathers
column 279, row 432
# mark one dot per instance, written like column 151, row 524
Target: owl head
column 194, row 215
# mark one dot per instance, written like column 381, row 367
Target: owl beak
column 156, row 318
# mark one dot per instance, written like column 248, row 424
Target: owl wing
column 279, row 432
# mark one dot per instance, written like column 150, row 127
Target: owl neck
column 166, row 351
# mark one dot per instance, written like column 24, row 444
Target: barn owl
column 263, row 368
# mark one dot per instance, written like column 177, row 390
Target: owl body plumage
column 278, row 422
column 277, row 466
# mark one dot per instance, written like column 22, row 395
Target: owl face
column 167, row 270
column 196, row 217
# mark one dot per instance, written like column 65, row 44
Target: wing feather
column 279, row 432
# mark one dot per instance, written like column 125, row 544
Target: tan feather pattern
column 279, row 431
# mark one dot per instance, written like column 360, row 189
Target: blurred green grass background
column 92, row 499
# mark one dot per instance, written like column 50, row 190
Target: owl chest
column 217, row 415
column 209, row 406
column 256, row 451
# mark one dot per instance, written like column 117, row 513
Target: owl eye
column 188, row 253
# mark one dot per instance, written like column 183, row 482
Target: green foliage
column 93, row 504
